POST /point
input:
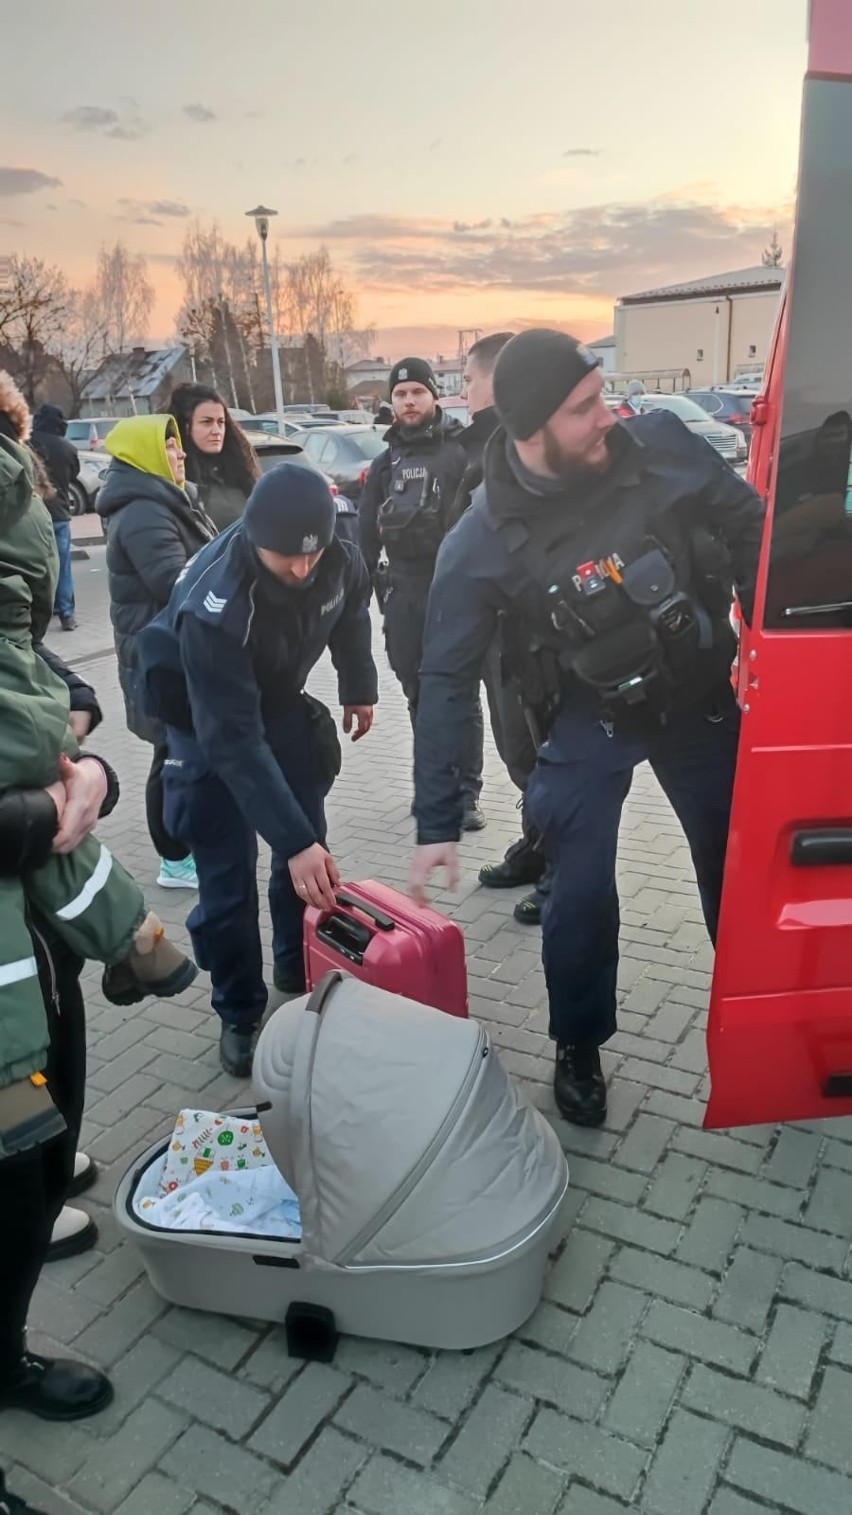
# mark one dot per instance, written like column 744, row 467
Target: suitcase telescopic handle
column 380, row 919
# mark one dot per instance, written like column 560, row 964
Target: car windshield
column 368, row 440
column 687, row 409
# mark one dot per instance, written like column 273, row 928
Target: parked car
column 727, row 440
column 733, row 406
column 455, row 410
column 267, row 423
column 84, row 489
column 88, row 432
column 344, row 452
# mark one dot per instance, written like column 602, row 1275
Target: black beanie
column 535, row 373
column 291, row 511
column 413, row 371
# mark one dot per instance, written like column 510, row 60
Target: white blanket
column 218, row 1176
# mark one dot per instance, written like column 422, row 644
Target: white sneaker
column 74, row 1232
column 180, row 875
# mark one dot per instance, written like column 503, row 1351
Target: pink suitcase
column 380, row 936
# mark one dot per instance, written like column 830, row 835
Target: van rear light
column 741, row 418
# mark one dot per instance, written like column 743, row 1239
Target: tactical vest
column 630, row 623
column 411, row 519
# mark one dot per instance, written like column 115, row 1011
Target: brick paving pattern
column 692, row 1353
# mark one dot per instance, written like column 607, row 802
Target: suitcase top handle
column 383, row 921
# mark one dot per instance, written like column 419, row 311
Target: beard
column 562, row 462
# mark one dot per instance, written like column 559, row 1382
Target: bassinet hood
column 405, row 1140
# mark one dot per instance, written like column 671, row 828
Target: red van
column 780, row 1027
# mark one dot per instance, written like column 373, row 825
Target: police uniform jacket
column 663, row 482
column 230, row 654
column 411, row 451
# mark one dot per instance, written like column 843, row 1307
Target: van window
column 810, row 564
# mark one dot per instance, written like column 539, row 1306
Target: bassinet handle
column 319, row 996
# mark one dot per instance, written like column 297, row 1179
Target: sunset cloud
column 25, row 181
column 149, row 212
column 105, row 122
column 607, row 248
column 200, row 113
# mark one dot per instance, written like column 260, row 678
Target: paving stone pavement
column 693, row 1350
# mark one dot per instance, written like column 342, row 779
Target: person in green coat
column 92, row 902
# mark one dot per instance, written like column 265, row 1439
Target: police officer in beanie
column 406, row 510
column 224, row 667
column 614, row 548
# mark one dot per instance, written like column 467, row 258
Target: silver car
column 727, row 440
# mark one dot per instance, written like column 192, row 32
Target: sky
column 469, row 163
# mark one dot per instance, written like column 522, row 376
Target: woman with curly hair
column 219, row 460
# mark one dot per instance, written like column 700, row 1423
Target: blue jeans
column 575, row 798
column 63, row 604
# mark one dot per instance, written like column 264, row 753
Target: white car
column 84, row 489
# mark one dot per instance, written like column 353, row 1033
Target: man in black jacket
column 615, row 548
column 524, row 861
column 62, row 463
column 249, row 752
column 406, row 509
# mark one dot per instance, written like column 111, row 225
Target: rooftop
column 759, row 278
column 134, row 374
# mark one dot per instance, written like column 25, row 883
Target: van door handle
column 827, row 848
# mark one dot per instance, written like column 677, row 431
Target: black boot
column 236, row 1049
column 289, row 980
column 523, row 864
column 55, row 1389
column 578, row 1084
column 528, row 910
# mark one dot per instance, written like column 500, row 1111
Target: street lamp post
column 260, row 215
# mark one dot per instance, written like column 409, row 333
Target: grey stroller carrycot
column 428, row 1186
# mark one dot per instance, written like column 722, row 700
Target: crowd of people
column 578, row 564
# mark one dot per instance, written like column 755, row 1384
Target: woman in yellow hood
column 150, row 443
column 153, row 526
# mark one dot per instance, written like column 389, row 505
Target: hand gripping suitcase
column 381, row 937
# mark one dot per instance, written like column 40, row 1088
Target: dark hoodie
column 473, row 440
column 152, row 529
column 59, row 457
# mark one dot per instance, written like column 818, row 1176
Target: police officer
column 406, row 509
column 224, row 667
column 615, row 548
column 524, row 861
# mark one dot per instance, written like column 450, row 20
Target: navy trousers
column 199, row 810
column 575, row 798
column 404, row 621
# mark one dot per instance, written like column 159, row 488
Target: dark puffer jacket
column 59, row 457
column 152, row 528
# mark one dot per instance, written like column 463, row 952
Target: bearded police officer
column 612, row 550
column 406, row 509
column 224, row 667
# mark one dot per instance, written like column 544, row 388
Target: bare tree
column 35, row 303
column 82, row 343
column 124, row 295
column 206, row 266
